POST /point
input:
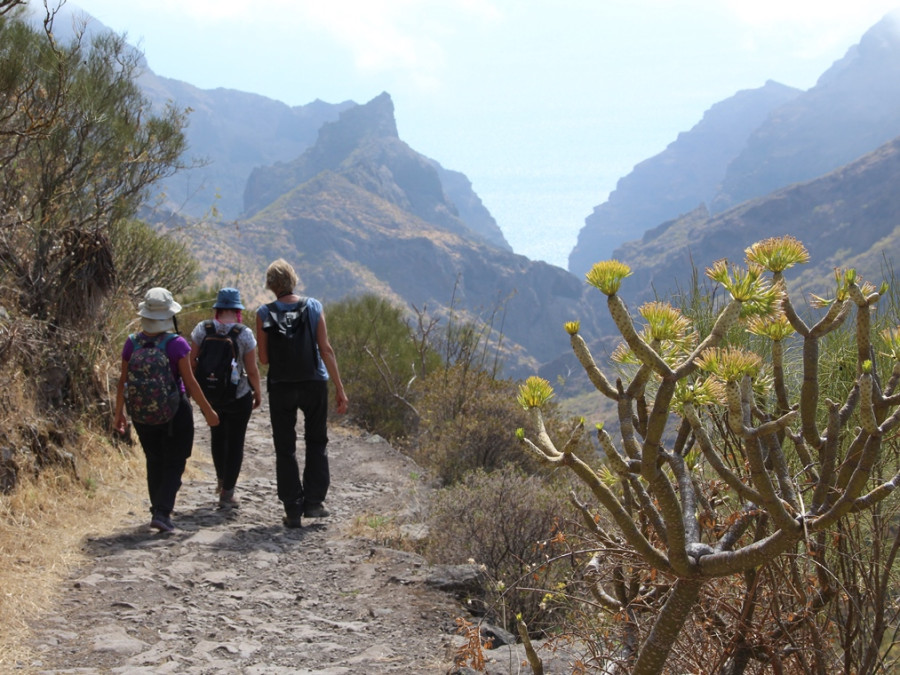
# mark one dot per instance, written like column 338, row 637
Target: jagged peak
column 879, row 44
column 374, row 119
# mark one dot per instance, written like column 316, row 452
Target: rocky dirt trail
column 234, row 591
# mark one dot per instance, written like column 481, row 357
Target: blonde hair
column 281, row 277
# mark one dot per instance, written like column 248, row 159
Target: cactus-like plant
column 759, row 455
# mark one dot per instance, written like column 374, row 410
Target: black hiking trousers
column 311, row 398
column 166, row 449
column 227, row 439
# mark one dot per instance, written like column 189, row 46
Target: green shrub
column 504, row 520
column 466, row 421
column 144, row 259
column 378, row 360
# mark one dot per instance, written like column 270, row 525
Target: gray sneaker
column 292, row 521
column 162, row 522
column 316, row 511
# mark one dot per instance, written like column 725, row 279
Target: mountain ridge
column 852, row 110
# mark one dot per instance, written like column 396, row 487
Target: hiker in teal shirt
column 293, row 340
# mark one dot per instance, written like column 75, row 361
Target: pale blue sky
column 544, row 105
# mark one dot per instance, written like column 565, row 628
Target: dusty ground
column 236, row 592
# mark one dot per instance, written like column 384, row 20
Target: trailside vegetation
column 728, row 517
column 80, row 148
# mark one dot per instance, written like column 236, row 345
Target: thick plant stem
column 655, row 650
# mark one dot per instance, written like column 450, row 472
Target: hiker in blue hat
column 223, row 357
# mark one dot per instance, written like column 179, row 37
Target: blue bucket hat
column 228, row 298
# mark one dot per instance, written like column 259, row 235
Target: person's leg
column 283, row 415
column 218, row 438
column 178, row 446
column 152, row 438
column 238, row 418
column 316, row 474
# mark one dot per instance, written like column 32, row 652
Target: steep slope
column 687, row 173
column 853, row 109
column 362, row 212
column 847, row 218
column 364, row 146
column 232, row 132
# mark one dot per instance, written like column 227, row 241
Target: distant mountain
column 232, row 132
column 847, row 218
column 360, row 211
column 686, row 174
column 852, row 110
column 364, row 145
column 755, row 143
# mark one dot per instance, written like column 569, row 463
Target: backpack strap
column 210, row 327
column 156, row 340
column 232, row 335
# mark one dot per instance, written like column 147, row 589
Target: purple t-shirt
column 176, row 349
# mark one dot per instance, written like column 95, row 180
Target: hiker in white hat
column 156, row 371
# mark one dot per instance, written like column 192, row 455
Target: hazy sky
column 544, row 105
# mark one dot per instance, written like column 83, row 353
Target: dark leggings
column 227, row 439
column 166, row 449
column 311, row 398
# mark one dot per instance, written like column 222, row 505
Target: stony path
column 236, row 592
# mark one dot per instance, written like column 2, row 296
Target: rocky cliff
column 686, row 174
column 360, row 211
column 847, row 218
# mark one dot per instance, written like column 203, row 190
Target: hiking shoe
column 162, row 522
column 227, row 500
column 292, row 521
column 316, row 511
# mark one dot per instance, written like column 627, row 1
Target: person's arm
column 262, row 341
column 194, row 355
column 326, row 351
column 253, row 375
column 190, row 382
column 120, row 424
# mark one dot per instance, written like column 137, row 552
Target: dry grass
column 43, row 523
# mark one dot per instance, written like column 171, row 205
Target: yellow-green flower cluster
column 777, row 254
column 730, row 363
column 700, row 393
column 534, row 393
column 775, row 327
column 607, row 276
column 891, row 339
column 755, row 292
column 665, row 322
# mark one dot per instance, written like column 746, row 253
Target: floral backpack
column 151, row 394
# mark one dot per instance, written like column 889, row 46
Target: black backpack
column 219, row 366
column 293, row 352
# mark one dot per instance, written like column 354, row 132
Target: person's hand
column 342, row 402
column 212, row 419
column 120, row 424
column 257, row 399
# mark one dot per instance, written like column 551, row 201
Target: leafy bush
column 144, row 259
column 378, row 360
column 466, row 423
column 506, row 521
